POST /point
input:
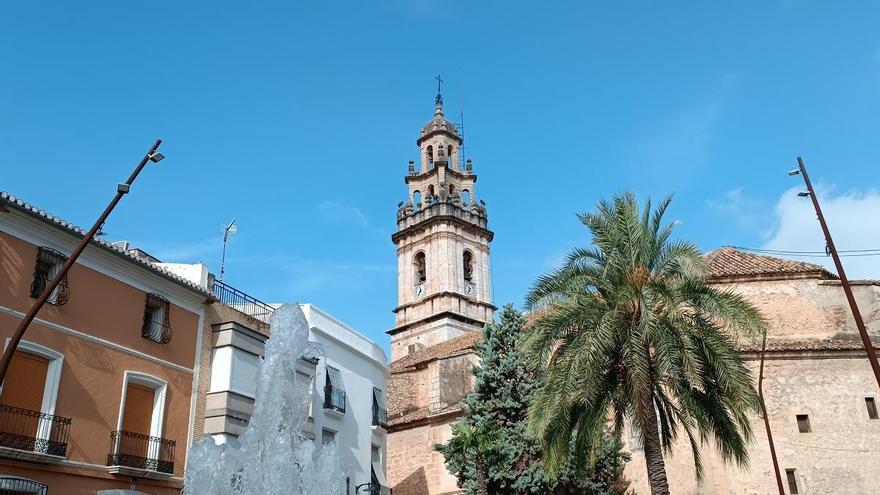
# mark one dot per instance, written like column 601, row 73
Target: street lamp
column 121, row 190
column 844, row 282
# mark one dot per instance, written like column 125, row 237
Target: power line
column 812, row 254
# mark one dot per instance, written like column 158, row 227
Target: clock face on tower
column 420, row 289
column 469, row 288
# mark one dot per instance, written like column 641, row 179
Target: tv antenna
column 229, row 230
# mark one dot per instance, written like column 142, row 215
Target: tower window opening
column 429, row 154
column 465, row 197
column 871, row 404
column 431, row 191
column 803, row 421
column 417, row 199
column 451, row 189
column 420, row 268
column 792, row 481
column 468, row 263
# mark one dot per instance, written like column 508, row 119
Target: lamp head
column 796, row 171
column 803, row 194
column 156, row 157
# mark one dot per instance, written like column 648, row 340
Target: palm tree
column 629, row 329
column 472, row 442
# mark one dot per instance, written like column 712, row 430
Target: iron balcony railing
column 241, row 302
column 380, row 416
column 135, row 450
column 20, row 486
column 377, row 489
column 33, row 431
column 334, row 398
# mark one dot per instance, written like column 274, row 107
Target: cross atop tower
column 439, row 95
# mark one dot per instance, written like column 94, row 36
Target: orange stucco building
column 100, row 394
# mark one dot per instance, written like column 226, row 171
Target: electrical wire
column 812, row 254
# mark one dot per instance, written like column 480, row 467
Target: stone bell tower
column 443, row 275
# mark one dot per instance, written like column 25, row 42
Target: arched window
column 420, row 268
column 465, row 198
column 431, row 191
column 429, row 154
column 451, row 189
column 468, row 264
column 417, row 199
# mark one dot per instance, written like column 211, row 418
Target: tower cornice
column 454, row 173
column 441, row 213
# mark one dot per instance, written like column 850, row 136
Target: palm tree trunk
column 654, row 456
column 482, row 488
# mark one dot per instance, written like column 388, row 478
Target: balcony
column 32, row 435
column 241, row 302
column 334, row 398
column 138, row 455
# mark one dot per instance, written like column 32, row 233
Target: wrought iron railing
column 20, row 486
column 377, row 489
column 380, row 416
column 241, row 302
column 135, row 450
column 334, row 398
column 157, row 320
column 33, row 431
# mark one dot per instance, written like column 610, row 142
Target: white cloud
column 339, row 211
column 854, row 221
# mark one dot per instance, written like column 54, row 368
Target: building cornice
column 441, row 218
column 440, row 316
column 435, row 171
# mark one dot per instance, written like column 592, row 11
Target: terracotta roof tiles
column 728, row 262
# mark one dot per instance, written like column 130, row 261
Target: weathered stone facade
column 815, row 366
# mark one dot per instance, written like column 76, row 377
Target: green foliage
column 628, row 328
column 489, row 441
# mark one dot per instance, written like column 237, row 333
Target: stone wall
column 837, row 457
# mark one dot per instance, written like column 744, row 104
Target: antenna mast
column 227, row 231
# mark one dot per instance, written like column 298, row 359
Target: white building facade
column 348, row 406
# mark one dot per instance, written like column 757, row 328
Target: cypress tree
column 495, row 421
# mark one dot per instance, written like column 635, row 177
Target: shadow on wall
column 414, row 484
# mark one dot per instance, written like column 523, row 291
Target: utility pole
column 767, row 420
column 121, row 190
column 830, row 249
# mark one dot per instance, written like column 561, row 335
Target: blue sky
column 299, row 120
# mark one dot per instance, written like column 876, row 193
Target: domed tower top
column 439, row 141
column 439, row 124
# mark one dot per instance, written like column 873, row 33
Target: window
column 417, row 199
column 792, row 481
column 49, row 263
column 157, row 324
column 429, row 154
column 27, row 402
column 411, row 349
column 431, row 193
column 328, row 437
column 803, row 422
column 13, row 485
column 137, row 440
column 871, row 404
column 468, row 264
column 334, row 392
column 451, row 189
column 465, row 198
column 380, row 412
column 419, row 267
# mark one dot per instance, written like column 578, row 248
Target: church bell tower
column 443, row 275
